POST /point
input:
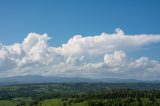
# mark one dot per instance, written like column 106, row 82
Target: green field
column 47, row 102
column 8, row 103
column 81, row 94
column 58, row 102
column 95, row 102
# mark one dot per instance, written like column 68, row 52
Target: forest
column 81, row 94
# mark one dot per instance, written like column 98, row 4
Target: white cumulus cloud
column 101, row 55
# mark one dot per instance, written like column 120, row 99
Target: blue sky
column 63, row 19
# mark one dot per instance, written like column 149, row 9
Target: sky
column 88, row 38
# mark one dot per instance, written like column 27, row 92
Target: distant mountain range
column 29, row 79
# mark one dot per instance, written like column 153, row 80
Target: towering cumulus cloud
column 93, row 56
